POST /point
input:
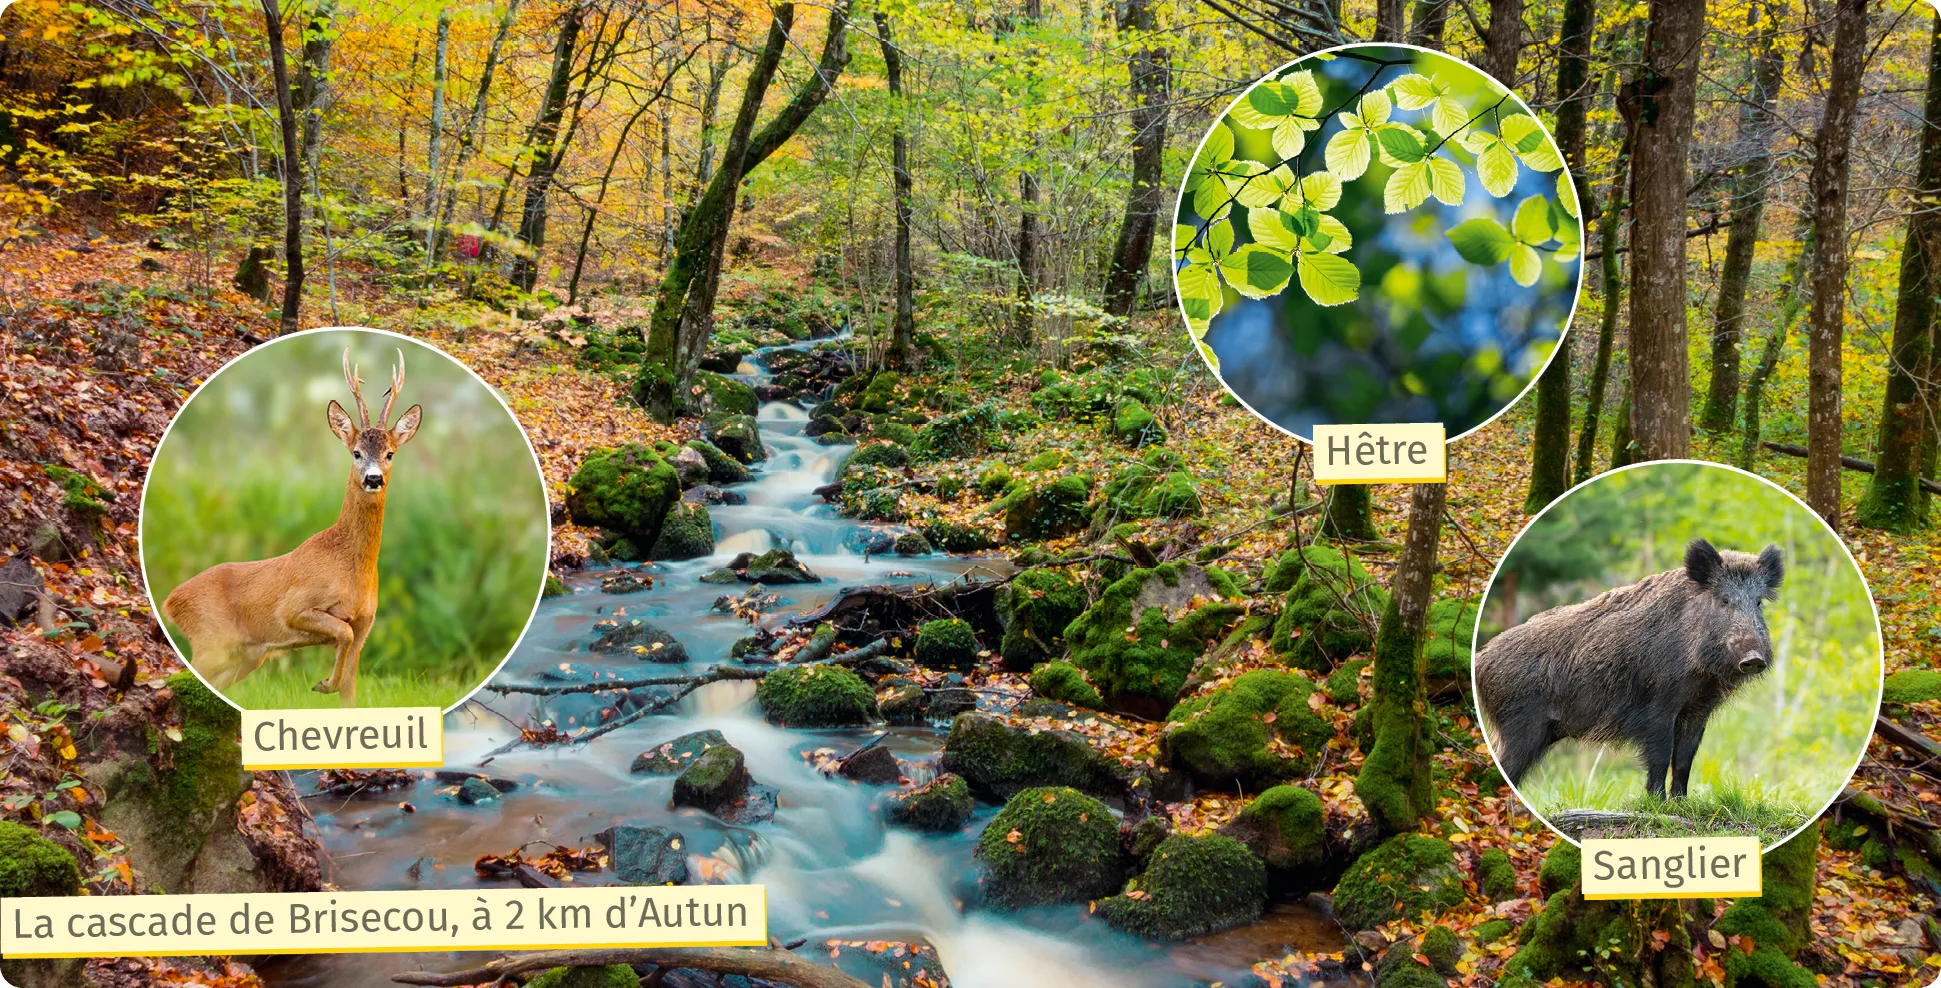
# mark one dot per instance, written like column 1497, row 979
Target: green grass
column 285, row 685
column 1714, row 811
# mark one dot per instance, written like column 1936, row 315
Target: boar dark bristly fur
column 1644, row 664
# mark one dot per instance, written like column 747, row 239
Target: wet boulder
column 1065, row 683
column 1174, row 610
column 1227, row 735
column 824, row 425
column 686, row 533
column 1285, row 828
column 714, row 780
column 1192, row 886
column 623, row 582
column 645, row 855
column 626, row 490
column 689, row 463
column 1036, row 607
column 475, row 790
column 946, row 643
column 673, row 757
column 912, row 544
column 723, row 394
column 722, row 468
column 951, row 701
column 998, row 759
column 874, row 540
column 1330, row 605
column 907, row 704
column 1049, row 845
column 638, row 638
column 711, row 495
column 1047, row 510
column 815, row 696
column 720, row 574
column 555, row 587
column 943, row 804
column 1406, row 876
column 872, row 764
column 739, row 436
column 772, row 567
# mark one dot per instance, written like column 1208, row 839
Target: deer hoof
column 323, row 686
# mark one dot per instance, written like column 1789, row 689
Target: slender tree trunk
column 433, row 167
column 711, row 105
column 1827, row 322
column 313, row 93
column 1550, row 446
column 1351, row 514
column 1609, row 229
column 1396, row 783
column 1658, row 106
column 1894, row 499
column 1624, row 446
column 1427, row 22
column 292, row 156
column 544, row 155
column 599, row 199
column 1794, row 300
column 1022, row 313
column 468, row 136
column 1504, row 41
column 1391, row 17
column 1151, row 73
column 1758, row 120
column 903, row 323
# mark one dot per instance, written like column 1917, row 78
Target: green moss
column 686, row 533
column 877, row 454
column 1146, row 665
column 722, row 468
column 1398, row 968
column 815, row 696
column 33, row 865
column 205, row 767
column 1495, row 875
column 611, row 976
column 1050, row 459
column 1065, row 849
column 1448, row 630
column 1288, row 823
column 1777, row 920
column 1041, row 603
column 724, row 394
column 1134, row 424
column 881, row 393
column 959, row 435
column 993, row 478
column 953, row 537
column 1405, row 876
column 627, row 490
column 1223, row 736
column 947, row 643
column 1324, row 617
column 1492, row 931
column 739, row 436
column 1561, row 868
column 1344, row 683
column 1912, row 686
column 80, row 492
column 942, row 804
column 1063, row 682
column 1396, row 781
column 1048, row 509
column 1142, row 490
column 896, row 432
column 912, row 544
column 998, row 760
column 555, row 587
column 1442, row 947
column 1193, row 886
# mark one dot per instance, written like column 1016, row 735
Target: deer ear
column 1772, row 568
column 1702, row 562
column 341, row 424
column 407, row 425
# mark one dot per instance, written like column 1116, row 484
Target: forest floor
column 96, row 418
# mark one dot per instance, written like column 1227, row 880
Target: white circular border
column 141, row 518
column 1577, row 297
column 1880, row 639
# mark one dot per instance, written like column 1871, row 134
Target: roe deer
column 323, row 592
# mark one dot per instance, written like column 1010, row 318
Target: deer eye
column 356, row 454
column 387, row 457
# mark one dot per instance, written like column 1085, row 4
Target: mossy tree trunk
column 1789, row 309
column 1396, row 781
column 903, row 324
column 1758, row 121
column 1611, row 270
column 1604, row 941
column 1351, row 514
column 1893, row 500
column 1826, row 325
column 543, row 157
column 1151, row 72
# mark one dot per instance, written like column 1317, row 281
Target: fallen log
column 1914, row 741
column 880, row 609
column 1851, row 463
column 770, row 964
column 1576, row 823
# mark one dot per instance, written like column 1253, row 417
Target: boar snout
column 1752, row 664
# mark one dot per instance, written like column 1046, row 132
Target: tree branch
column 771, row 964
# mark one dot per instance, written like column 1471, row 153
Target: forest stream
column 833, row 867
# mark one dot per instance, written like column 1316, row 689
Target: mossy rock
column 555, row 587
column 686, row 533
column 1135, row 425
column 1049, row 845
column 1050, row 459
column 1141, row 671
column 896, row 432
column 912, row 544
column 1448, row 631
column 1193, row 886
column 722, row 468
column 998, row 759
column 1048, row 509
column 611, row 976
column 716, row 393
column 953, row 537
column 626, row 490
column 1911, row 686
column 1561, row 868
column 1223, row 737
column 947, row 643
column 941, row 805
column 1063, row 682
column 1284, row 827
column 1407, row 875
column 33, row 865
column 815, row 696
column 1141, row 490
column 1492, row 931
column 82, row 494
column 880, row 395
column 1321, row 621
column 1398, row 968
column 1344, row 683
column 1443, row 948
column 673, row 757
column 994, row 478
column 739, row 436
column 1040, row 604
column 1777, row 921
column 960, row 435
column 714, row 780
column 876, row 454
column 1495, row 875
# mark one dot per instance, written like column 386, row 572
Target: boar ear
column 1702, row 562
column 1772, row 568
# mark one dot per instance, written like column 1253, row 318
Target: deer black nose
column 1753, row 664
column 373, row 481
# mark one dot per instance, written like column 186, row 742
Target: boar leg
column 1522, row 742
column 1657, row 746
column 1691, row 730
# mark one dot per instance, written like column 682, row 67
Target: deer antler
column 350, row 374
column 397, row 384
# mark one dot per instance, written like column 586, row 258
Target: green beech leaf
column 1414, row 91
column 1525, row 264
column 1329, row 279
column 1567, row 195
column 1532, row 222
column 1303, row 221
column 1496, row 166
column 1183, row 234
column 1219, row 238
column 1407, row 188
column 1401, row 144
column 1482, row 241
column 66, row 818
column 1263, row 189
column 1525, row 136
column 1257, row 271
column 1446, row 181
column 1349, row 152
column 1375, row 109
column 1270, row 229
column 1338, row 239
column 1219, row 146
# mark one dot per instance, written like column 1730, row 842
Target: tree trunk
column 1624, row 446
column 469, row 135
column 1758, row 120
column 1151, row 72
column 1658, row 107
column 1391, row 21
column 1427, row 23
column 1827, row 323
column 903, row 325
column 1608, row 230
column 1602, row 941
column 1396, row 782
column 313, row 93
column 1351, row 514
column 292, row 156
column 543, row 156
column 1894, row 500
column 1793, row 301
column 433, row 166
column 1504, row 40
column 694, row 275
column 1021, row 315
column 710, row 105
column 606, row 179
column 1550, row 446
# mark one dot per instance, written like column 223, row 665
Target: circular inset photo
column 1375, row 234
column 1677, row 649
column 344, row 517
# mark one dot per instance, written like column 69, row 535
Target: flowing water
column 833, row 869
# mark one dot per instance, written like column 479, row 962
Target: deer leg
column 347, row 678
column 330, row 626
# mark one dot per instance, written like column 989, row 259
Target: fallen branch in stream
column 772, row 964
